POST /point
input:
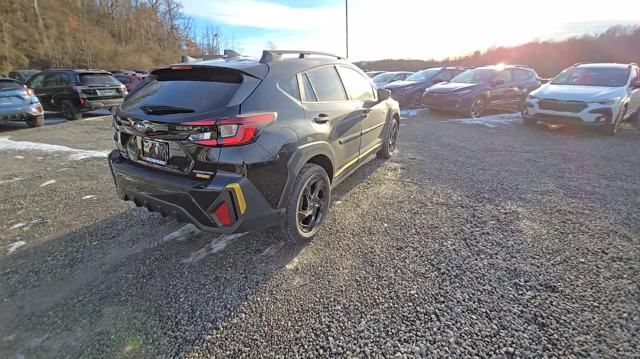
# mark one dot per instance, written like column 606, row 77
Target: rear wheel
column 308, row 203
column 69, row 111
column 477, row 107
column 35, row 121
column 389, row 144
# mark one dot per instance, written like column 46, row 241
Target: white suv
column 599, row 95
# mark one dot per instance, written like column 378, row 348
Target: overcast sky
column 418, row 29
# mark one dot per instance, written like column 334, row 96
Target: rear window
column 197, row 90
column 97, row 79
column 9, row 85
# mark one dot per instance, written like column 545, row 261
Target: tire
column 308, row 204
column 612, row 129
column 35, row 121
column 390, row 141
column 477, row 107
column 70, row 112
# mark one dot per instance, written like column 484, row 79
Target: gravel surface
column 477, row 239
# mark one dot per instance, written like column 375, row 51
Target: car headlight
column 608, row 102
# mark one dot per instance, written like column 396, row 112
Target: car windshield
column 97, row 79
column 423, row 75
column 383, row 77
column 591, row 76
column 475, row 76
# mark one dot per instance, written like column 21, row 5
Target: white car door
column 634, row 102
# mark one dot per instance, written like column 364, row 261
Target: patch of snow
column 74, row 154
column 18, row 225
column 89, row 196
column 19, row 157
column 491, row 121
column 182, row 233
column 15, row 245
column 48, row 183
column 15, row 179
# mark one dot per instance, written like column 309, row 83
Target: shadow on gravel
column 127, row 285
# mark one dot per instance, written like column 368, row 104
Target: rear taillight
column 28, row 92
column 230, row 131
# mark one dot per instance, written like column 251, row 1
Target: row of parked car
column 26, row 94
column 595, row 95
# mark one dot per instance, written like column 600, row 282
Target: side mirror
column 383, row 94
column 635, row 84
column 496, row 83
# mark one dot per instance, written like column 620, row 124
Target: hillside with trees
column 99, row 34
column 618, row 44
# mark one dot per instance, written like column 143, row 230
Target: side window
column 37, row 81
column 309, row 94
column 63, row 79
column 505, row 76
column 14, row 75
column 50, row 79
column 123, row 79
column 326, row 83
column 443, row 76
column 290, row 86
column 521, row 75
column 358, row 87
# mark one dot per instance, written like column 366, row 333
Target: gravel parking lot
column 479, row 238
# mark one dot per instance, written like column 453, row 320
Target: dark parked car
column 474, row 91
column 22, row 76
column 382, row 80
column 236, row 144
column 409, row 92
column 18, row 103
column 73, row 92
column 129, row 81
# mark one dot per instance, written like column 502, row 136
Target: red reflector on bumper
column 222, row 212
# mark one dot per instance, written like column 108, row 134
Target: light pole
column 346, row 20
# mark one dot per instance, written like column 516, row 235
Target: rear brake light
column 231, row 131
column 28, row 92
column 222, row 213
column 181, row 67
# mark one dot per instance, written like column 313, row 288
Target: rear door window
column 309, row 93
column 358, row 87
column 51, row 79
column 195, row 90
column 97, row 79
column 327, row 84
column 521, row 75
column 504, row 75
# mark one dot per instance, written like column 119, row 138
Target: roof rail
column 577, row 64
column 276, row 55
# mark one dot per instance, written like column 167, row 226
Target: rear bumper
column 90, row 105
column 193, row 201
column 20, row 113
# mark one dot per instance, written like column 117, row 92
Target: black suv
column 240, row 144
column 73, row 92
column 474, row 91
column 409, row 92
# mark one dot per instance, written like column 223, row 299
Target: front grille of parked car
column 562, row 106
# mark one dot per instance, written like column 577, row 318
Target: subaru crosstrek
column 595, row 95
column 240, row 144
column 409, row 92
column 476, row 90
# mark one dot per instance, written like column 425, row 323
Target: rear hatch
column 100, row 86
column 170, row 120
column 13, row 95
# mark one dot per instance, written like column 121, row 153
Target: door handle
column 322, row 118
column 365, row 113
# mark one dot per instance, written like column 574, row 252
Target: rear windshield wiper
column 164, row 110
